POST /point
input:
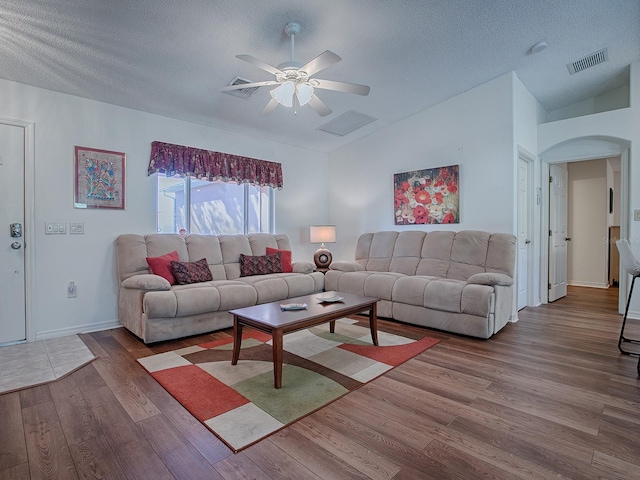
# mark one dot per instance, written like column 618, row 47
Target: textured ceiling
column 172, row 57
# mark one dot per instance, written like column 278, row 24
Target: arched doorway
column 576, row 150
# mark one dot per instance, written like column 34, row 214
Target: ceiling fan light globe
column 304, row 92
column 284, row 94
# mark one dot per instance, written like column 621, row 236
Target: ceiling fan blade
column 259, row 63
column 249, row 85
column 322, row 61
column 341, row 86
column 270, row 107
column 319, row 106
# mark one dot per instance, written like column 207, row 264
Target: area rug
column 239, row 403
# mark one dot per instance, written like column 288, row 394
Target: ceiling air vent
column 589, row 61
column 346, row 123
column 243, row 92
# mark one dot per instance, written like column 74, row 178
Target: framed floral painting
column 99, row 178
column 429, row 196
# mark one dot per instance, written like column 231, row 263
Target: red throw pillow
column 191, row 272
column 286, row 258
column 260, row 265
column 162, row 266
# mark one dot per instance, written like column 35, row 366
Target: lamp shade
column 284, row 93
column 322, row 234
column 304, row 92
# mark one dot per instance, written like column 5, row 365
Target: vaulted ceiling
column 172, row 57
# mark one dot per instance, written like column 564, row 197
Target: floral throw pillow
column 260, row 265
column 191, row 272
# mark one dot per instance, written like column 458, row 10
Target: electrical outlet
column 72, row 290
column 55, row 228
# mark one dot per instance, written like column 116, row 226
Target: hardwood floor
column 548, row 397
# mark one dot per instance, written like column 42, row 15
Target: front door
column 558, row 208
column 12, row 256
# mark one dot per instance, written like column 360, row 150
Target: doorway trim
column 568, row 151
column 531, row 160
column 29, row 214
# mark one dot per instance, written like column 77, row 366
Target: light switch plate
column 76, row 228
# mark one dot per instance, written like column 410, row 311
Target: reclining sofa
column 460, row 282
column 155, row 310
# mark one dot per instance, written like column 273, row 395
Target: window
column 189, row 205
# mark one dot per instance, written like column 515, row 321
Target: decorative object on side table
column 321, row 234
column 99, row 178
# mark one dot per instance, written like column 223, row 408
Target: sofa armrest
column 146, row 282
column 346, row 266
column 490, row 279
column 303, row 267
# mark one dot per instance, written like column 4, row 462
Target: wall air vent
column 589, row 61
column 346, row 123
column 243, row 92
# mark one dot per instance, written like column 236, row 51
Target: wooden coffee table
column 269, row 318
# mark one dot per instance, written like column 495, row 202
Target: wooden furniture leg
column 373, row 323
column 277, row 357
column 237, row 340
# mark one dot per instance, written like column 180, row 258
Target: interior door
column 12, row 256
column 558, row 195
column 524, row 241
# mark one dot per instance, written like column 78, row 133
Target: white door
column 12, row 256
column 524, row 241
column 558, row 195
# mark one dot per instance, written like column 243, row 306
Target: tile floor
column 34, row 363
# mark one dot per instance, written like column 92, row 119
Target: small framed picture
column 99, row 178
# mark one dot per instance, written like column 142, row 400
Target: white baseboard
column 633, row 315
column 88, row 328
column 589, row 284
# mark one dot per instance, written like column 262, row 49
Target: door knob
column 527, row 242
column 16, row 245
column 567, row 239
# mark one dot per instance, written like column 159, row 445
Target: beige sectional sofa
column 460, row 282
column 154, row 310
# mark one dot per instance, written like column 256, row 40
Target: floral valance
column 182, row 161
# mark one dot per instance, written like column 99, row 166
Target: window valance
column 179, row 160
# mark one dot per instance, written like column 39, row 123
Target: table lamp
column 321, row 234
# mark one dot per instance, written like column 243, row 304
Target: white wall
column 473, row 129
column 610, row 100
column 63, row 121
column 588, row 199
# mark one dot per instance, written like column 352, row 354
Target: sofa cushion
column 303, row 267
column 162, row 266
column 410, row 289
column 260, row 264
column 146, row 282
column 369, row 284
column 443, row 294
column 286, row 258
column 490, row 279
column 346, row 266
column 191, row 272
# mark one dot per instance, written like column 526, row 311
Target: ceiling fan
column 295, row 83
